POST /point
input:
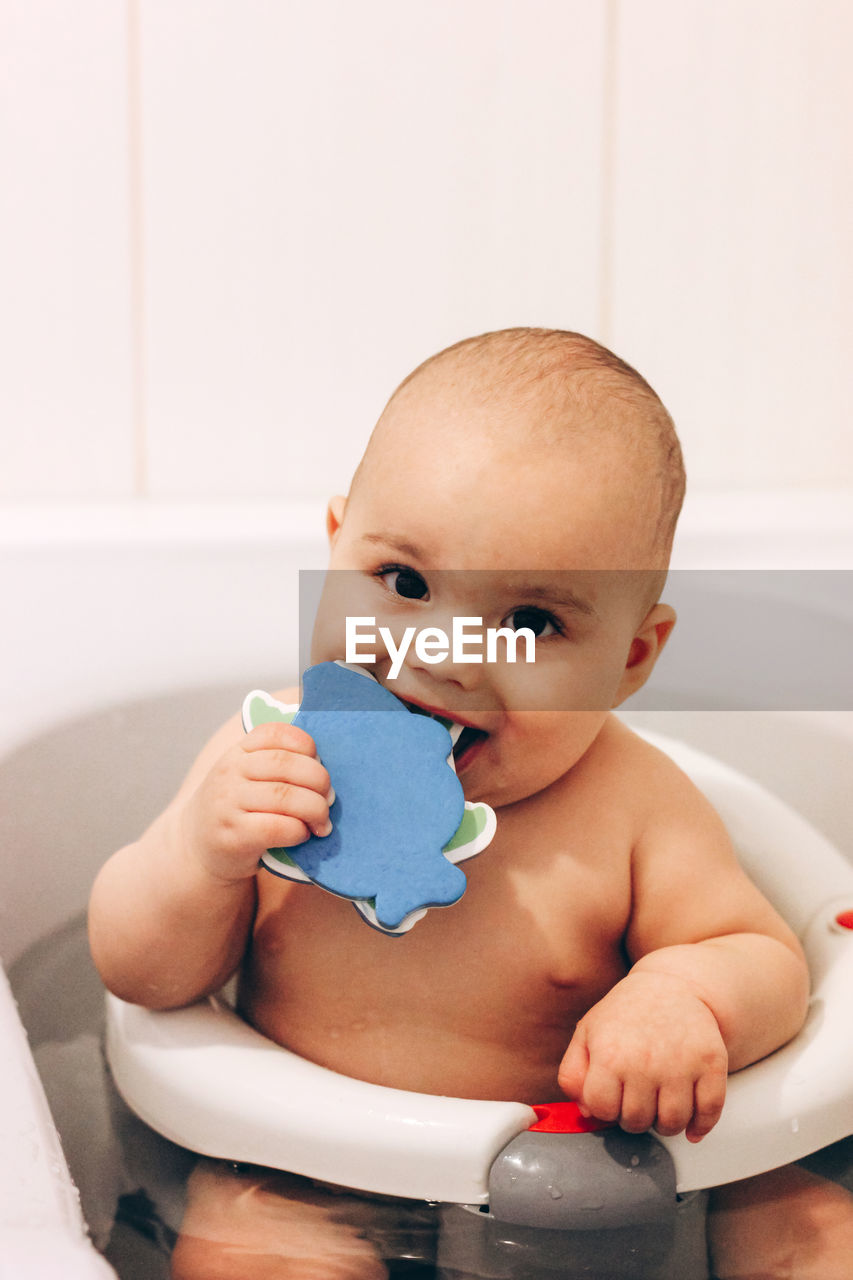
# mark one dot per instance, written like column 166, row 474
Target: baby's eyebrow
column 397, row 544
column 564, row 597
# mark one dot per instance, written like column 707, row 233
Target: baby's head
column 506, row 403
column 547, row 469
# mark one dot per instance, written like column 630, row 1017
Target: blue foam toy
column 397, row 804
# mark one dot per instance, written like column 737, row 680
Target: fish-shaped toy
column 400, row 821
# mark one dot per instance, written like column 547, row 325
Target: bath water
column 61, row 1003
column 132, row 1181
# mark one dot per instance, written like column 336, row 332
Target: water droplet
column 635, row 1160
column 795, row 1125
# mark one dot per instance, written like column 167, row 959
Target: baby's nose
column 452, row 649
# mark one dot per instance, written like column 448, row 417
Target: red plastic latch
column 845, row 919
column 565, row 1117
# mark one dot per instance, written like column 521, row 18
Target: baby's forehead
column 534, row 397
column 537, row 410
column 534, row 435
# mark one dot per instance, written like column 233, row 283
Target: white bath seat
column 206, row 1080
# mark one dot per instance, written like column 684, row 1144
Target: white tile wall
column 336, row 190
column 732, row 257
column 228, row 228
column 66, row 425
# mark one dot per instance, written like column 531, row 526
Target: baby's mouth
column 467, row 740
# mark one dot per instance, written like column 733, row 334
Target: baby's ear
column 335, row 517
column 646, row 646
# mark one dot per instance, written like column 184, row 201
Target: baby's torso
column 479, row 999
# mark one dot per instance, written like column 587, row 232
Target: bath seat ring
column 400, row 821
column 177, row 1070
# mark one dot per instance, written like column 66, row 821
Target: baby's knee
column 254, row 1224
column 194, row 1258
column 197, row 1258
column 788, row 1224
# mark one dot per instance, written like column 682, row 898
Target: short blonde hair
column 583, row 372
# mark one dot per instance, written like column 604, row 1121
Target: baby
column 612, row 950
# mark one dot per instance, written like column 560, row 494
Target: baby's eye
column 542, row 624
column 404, row 582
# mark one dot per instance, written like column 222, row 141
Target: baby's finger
column 574, row 1066
column 602, row 1094
column 291, row 801
column 276, row 734
column 639, row 1106
column 675, row 1107
column 287, row 766
column 709, row 1096
column 274, row 831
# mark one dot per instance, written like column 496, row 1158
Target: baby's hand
column 650, row 1053
column 269, row 791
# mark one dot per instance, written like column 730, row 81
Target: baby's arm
column 170, row 916
column 718, row 980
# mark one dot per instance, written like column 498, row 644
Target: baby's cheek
column 577, row 681
column 563, row 737
column 344, row 595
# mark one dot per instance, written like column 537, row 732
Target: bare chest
column 479, row 999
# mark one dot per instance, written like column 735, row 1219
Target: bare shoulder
column 688, row 883
column 649, row 781
column 676, row 832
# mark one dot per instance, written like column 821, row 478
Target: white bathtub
column 109, row 611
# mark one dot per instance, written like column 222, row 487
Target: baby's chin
column 485, row 782
column 506, row 775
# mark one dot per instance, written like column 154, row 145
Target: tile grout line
column 137, row 252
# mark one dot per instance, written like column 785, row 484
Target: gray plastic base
column 474, row 1244
column 582, row 1181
